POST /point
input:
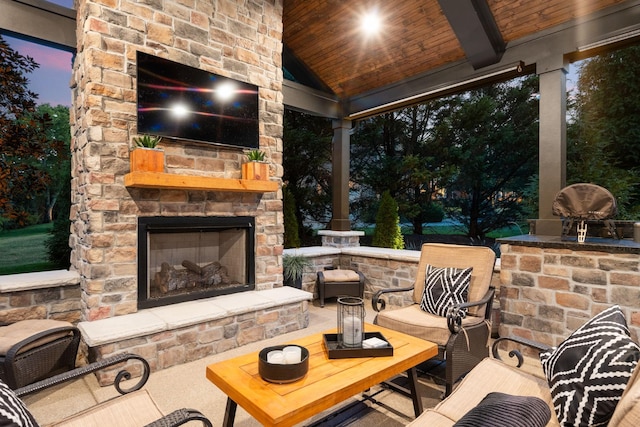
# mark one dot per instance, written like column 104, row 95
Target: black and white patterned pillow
column 588, row 372
column 13, row 413
column 444, row 287
column 506, row 410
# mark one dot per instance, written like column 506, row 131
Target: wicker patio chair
column 32, row 350
column 134, row 407
column 463, row 340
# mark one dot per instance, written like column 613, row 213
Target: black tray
column 334, row 351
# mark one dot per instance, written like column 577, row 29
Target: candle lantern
column 350, row 321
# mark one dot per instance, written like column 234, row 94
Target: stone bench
column 180, row 333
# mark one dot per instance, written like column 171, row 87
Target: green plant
column 255, row 156
column 294, row 266
column 146, row 141
column 387, row 233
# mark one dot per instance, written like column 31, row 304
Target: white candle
column 292, row 354
column 275, row 357
column 352, row 331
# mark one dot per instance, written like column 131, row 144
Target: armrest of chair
column 455, row 315
column 91, row 368
column 380, row 304
column 179, row 417
column 515, row 353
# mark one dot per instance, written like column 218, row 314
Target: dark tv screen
column 179, row 101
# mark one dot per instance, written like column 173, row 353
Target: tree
column 387, row 233
column 396, row 152
column 291, row 236
column 604, row 139
column 307, row 166
column 24, row 144
column 58, row 249
column 56, row 164
column 493, row 138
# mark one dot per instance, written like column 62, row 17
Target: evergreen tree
column 396, row 152
column 492, row 134
column 603, row 144
column 387, row 233
column 58, row 249
column 307, row 166
column 291, row 236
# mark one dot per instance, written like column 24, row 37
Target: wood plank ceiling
column 417, row 35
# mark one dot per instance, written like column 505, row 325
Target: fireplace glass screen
column 182, row 259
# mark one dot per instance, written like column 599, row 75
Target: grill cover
column 585, row 202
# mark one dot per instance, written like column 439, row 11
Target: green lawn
column 23, row 250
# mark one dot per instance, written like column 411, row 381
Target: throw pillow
column 13, row 413
column 444, row 288
column 588, row 372
column 505, row 410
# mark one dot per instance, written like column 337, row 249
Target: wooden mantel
column 204, row 183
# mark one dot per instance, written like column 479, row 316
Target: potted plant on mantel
column 146, row 156
column 293, row 266
column 255, row 167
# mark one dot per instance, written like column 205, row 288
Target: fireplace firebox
column 188, row 258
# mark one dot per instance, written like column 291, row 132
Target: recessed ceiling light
column 371, row 22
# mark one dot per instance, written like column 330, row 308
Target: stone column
column 340, row 176
column 552, row 141
column 340, row 239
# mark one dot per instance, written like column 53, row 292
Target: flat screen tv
column 179, row 101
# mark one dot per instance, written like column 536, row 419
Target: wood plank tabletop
column 328, row 382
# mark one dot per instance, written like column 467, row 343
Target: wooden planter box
column 147, row 160
column 255, row 170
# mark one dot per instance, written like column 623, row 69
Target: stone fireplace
column 239, row 39
column 189, row 258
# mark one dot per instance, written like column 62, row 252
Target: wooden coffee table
column 328, row 382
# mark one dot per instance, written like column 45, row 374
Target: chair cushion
column 13, row 413
column 627, row 412
column 414, row 321
column 340, row 276
column 506, row 410
column 488, row 376
column 133, row 409
column 481, row 258
column 445, row 287
column 588, row 372
column 12, row 334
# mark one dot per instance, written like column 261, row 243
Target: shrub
column 387, row 233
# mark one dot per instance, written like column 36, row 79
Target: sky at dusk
column 51, row 80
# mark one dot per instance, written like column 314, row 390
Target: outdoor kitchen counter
column 549, row 287
column 591, row 243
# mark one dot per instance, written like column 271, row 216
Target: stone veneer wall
column 382, row 269
column 547, row 293
column 239, row 39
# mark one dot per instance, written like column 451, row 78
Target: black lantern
column 350, row 321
